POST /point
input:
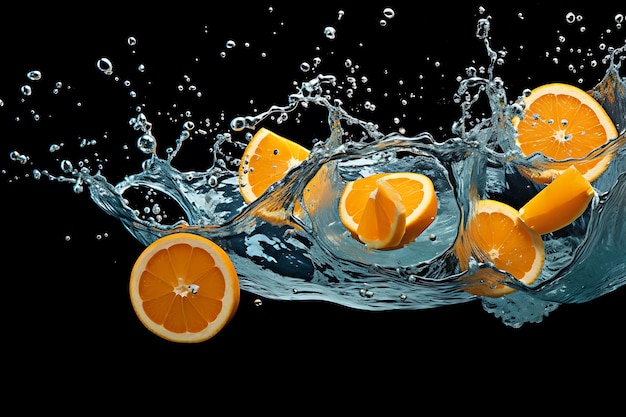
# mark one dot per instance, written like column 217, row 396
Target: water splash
column 313, row 258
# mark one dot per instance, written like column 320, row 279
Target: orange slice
column 562, row 121
column 559, row 203
column 184, row 288
column 266, row 159
column 384, row 217
column 417, row 195
column 496, row 234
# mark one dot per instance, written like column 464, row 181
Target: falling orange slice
column 266, row 159
column 184, row 288
column 559, row 203
column 496, row 234
column 562, row 121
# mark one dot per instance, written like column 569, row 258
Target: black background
column 66, row 302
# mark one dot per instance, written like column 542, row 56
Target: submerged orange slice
column 562, row 121
column 386, row 218
column 184, row 288
column 496, row 234
column 559, row 203
column 417, row 195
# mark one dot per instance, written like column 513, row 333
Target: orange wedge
column 416, row 192
column 559, row 203
column 384, row 217
column 496, row 234
column 184, row 288
column 266, row 159
column 562, row 121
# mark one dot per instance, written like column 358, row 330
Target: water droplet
column 389, row 13
column 258, row 302
column 132, row 41
column 26, row 90
column 146, row 143
column 105, row 66
column 230, row 44
column 66, row 166
column 570, row 17
column 18, row 157
column 330, row 32
column 305, row 67
column 34, row 75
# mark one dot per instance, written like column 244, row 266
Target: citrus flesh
column 266, row 159
column 384, row 218
column 559, row 203
column 417, row 195
column 562, row 121
column 496, row 234
column 184, row 288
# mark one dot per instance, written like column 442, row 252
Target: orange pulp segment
column 266, row 159
column 496, row 234
column 559, row 203
column 563, row 121
column 184, row 288
column 417, row 194
column 384, row 217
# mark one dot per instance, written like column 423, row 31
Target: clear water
column 314, row 258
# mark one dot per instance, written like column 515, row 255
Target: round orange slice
column 266, row 159
column 559, row 203
column 496, row 234
column 417, row 194
column 562, row 121
column 184, row 288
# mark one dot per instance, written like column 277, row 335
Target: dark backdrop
column 66, row 302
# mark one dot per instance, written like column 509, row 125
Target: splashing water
column 315, row 259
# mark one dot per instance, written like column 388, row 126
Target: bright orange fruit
column 415, row 190
column 559, row 203
column 266, row 159
column 184, row 288
column 562, row 121
column 386, row 218
column 496, row 234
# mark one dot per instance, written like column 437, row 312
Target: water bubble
column 146, row 143
column 34, row 75
column 305, row 67
column 230, row 44
column 382, row 22
column 105, row 66
column 213, row 181
column 132, row 41
column 330, row 32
